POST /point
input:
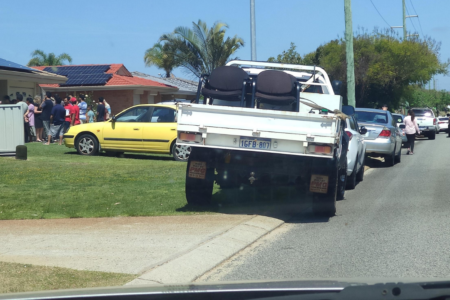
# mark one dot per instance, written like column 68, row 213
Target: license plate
column 253, row 143
column 197, row 169
column 318, row 184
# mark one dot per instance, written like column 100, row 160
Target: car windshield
column 169, row 147
column 371, row 117
column 423, row 112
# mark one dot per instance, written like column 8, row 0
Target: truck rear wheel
column 324, row 205
column 432, row 135
column 199, row 177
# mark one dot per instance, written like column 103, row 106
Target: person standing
column 411, row 128
column 83, row 108
column 101, row 110
column 24, row 108
column 76, row 112
column 46, row 107
column 69, row 112
column 107, row 110
column 57, row 118
column 37, row 118
column 385, row 107
column 90, row 116
column 30, row 115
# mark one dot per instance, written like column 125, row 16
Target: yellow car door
column 161, row 130
column 125, row 133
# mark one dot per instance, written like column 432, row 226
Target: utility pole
column 405, row 34
column 253, row 28
column 349, row 53
column 404, row 20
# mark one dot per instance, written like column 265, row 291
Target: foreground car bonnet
column 409, row 289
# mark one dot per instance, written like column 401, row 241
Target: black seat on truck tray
column 276, row 87
column 225, row 83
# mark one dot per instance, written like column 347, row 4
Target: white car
column 443, row 123
column 356, row 152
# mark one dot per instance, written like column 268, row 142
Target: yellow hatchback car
column 149, row 128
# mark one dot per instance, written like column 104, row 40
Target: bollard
column 21, row 152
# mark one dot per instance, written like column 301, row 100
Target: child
column 90, row 115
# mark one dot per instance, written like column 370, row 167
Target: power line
column 380, row 14
column 410, row 18
column 418, row 18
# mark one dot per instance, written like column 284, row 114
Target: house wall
column 118, row 100
column 26, row 88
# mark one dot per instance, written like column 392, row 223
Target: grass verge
column 56, row 182
column 15, row 278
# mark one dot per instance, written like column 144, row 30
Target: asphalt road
column 395, row 224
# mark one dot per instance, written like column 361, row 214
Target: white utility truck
column 263, row 123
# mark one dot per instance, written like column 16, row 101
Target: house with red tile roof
column 113, row 82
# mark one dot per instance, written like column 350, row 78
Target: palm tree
column 161, row 56
column 200, row 50
column 42, row 59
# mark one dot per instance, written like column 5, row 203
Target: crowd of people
column 49, row 119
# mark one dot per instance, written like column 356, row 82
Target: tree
column 288, row 57
column 385, row 66
column 201, row 49
column 42, row 59
column 162, row 57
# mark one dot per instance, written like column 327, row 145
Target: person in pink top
column 411, row 128
column 32, row 133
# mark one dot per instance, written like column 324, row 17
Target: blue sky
column 117, row 31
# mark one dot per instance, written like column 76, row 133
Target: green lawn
column 55, row 182
column 15, row 278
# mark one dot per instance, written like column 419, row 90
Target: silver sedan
column 383, row 137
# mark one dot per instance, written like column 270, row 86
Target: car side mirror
column 402, row 126
column 114, row 118
column 362, row 130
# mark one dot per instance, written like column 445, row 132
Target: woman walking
column 411, row 128
column 37, row 119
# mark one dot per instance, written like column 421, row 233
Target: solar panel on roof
column 82, row 75
column 89, row 79
column 11, row 65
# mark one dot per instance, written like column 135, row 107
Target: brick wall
column 118, row 100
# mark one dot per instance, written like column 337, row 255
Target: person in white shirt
column 411, row 128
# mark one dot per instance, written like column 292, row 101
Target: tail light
column 189, row 137
column 319, row 149
column 434, row 121
column 385, row 133
column 350, row 135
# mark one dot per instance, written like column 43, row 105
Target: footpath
column 158, row 250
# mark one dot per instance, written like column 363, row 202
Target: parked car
column 382, row 137
column 443, row 124
column 426, row 121
column 400, row 119
column 356, row 150
column 148, row 128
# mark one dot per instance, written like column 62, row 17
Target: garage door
column 25, row 92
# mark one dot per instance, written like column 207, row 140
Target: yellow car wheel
column 181, row 152
column 86, row 144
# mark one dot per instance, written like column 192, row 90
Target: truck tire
column 432, row 135
column 324, row 205
column 351, row 181
column 199, row 189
